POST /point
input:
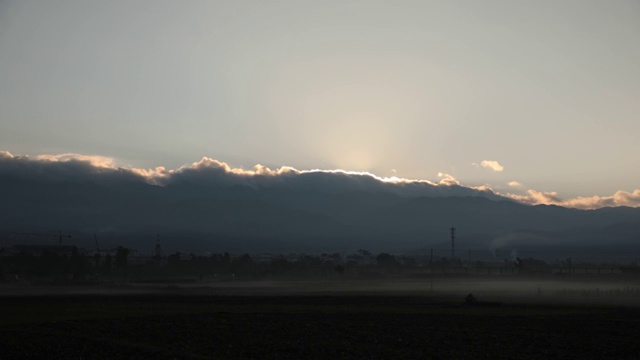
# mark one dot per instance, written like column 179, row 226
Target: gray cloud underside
column 210, row 173
column 215, row 174
column 210, row 206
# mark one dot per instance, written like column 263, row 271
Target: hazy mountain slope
column 202, row 216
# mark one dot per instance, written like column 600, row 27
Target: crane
column 59, row 235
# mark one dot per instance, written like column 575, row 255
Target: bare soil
column 188, row 325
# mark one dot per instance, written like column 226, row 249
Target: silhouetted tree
column 108, row 263
column 364, row 252
column 50, row 264
column 279, row 266
column 242, row 265
column 387, row 260
column 80, row 266
column 122, row 256
column 174, row 258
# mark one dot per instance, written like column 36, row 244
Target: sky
column 528, row 98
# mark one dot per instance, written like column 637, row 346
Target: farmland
column 319, row 320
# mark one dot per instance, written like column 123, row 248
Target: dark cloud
column 209, row 172
column 70, row 170
column 209, row 201
column 216, row 174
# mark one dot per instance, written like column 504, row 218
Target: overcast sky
column 540, row 94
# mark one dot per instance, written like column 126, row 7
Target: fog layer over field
column 493, row 292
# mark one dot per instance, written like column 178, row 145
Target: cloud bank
column 209, row 172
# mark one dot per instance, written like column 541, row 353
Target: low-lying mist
column 487, row 291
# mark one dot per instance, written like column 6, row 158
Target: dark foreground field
column 186, row 325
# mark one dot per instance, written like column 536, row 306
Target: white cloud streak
column 620, row 198
column 94, row 160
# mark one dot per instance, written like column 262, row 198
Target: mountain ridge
column 216, row 215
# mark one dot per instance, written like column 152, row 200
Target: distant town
column 69, row 264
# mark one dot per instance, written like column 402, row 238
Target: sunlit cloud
column 97, row 161
column 6, row 155
column 447, row 179
column 492, row 164
column 150, row 174
column 538, row 197
column 515, row 184
column 485, row 188
column 620, row 198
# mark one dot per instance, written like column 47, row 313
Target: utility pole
column 453, row 238
column 158, row 248
column 431, row 271
column 97, row 255
column 96, row 240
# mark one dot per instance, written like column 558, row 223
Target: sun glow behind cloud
column 365, row 86
column 357, row 111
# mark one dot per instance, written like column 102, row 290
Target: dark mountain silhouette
column 217, row 211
